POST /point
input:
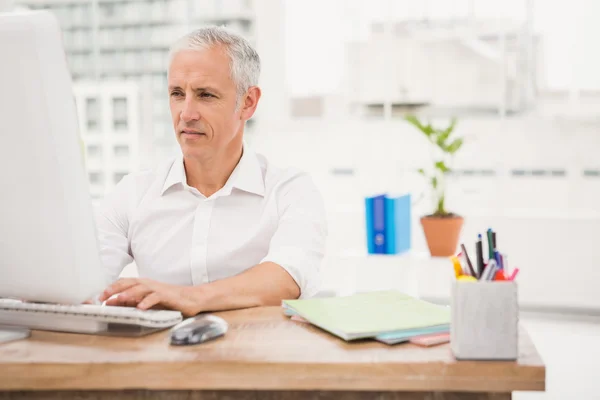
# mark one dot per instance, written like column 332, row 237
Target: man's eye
column 175, row 94
column 204, row 94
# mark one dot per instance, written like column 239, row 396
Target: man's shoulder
column 283, row 177
column 140, row 182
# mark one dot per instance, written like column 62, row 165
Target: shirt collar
column 246, row 176
column 175, row 176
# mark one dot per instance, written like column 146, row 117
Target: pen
column 497, row 258
column 494, row 243
column 463, row 268
column 479, row 255
column 489, row 272
column 490, row 244
column 469, row 265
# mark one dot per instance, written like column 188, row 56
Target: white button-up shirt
column 177, row 235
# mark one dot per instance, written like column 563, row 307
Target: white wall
column 270, row 45
column 549, row 226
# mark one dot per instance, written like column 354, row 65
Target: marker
column 489, row 272
column 457, row 266
column 500, row 275
column 513, row 275
column 497, row 258
column 490, row 244
column 469, row 265
column 462, row 263
column 479, row 255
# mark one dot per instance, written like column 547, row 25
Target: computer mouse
column 199, row 329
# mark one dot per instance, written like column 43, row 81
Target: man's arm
column 289, row 270
column 265, row 284
column 262, row 285
column 112, row 223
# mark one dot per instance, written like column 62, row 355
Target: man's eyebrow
column 197, row 90
column 206, row 89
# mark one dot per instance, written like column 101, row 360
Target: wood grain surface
column 250, row 395
column 263, row 350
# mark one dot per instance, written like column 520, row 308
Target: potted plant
column 442, row 228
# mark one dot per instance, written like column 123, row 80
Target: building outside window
column 92, row 113
column 94, row 151
column 96, row 178
column 121, row 151
column 120, row 114
column 117, row 176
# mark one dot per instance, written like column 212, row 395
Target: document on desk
column 367, row 315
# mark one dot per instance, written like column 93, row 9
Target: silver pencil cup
column 485, row 320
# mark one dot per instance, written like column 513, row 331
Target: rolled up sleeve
column 299, row 242
column 112, row 223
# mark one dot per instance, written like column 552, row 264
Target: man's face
column 202, row 99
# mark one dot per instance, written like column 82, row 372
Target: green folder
column 367, row 315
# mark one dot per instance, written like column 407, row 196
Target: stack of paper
column 388, row 316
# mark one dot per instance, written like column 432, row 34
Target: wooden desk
column 263, row 356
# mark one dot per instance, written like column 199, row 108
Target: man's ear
column 250, row 102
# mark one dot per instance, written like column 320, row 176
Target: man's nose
column 189, row 113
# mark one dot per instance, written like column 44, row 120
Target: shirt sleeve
column 112, row 225
column 298, row 245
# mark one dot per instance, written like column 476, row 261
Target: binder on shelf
column 388, row 224
column 398, row 224
column 379, row 224
column 369, row 225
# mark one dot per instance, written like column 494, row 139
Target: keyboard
column 86, row 318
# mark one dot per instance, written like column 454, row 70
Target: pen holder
column 484, row 320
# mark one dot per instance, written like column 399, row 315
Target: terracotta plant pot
column 442, row 234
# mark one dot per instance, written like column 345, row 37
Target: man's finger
column 171, row 300
column 117, row 287
column 149, row 301
column 121, row 302
column 134, row 294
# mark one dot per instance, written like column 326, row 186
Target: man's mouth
column 192, row 132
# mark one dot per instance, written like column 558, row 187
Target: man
column 220, row 227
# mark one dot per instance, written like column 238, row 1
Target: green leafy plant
column 444, row 148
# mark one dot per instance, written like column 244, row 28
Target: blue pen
column 497, row 258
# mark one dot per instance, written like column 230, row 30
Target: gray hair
column 244, row 62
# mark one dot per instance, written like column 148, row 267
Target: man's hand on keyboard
column 146, row 293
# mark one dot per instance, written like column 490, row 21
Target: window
column 540, row 173
column 118, row 176
column 94, row 151
column 473, row 172
column 120, row 113
column 121, row 151
column 128, row 37
column 107, row 10
column 130, row 59
column 92, row 113
column 158, row 60
column 96, row 178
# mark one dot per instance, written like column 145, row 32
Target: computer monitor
column 48, row 245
